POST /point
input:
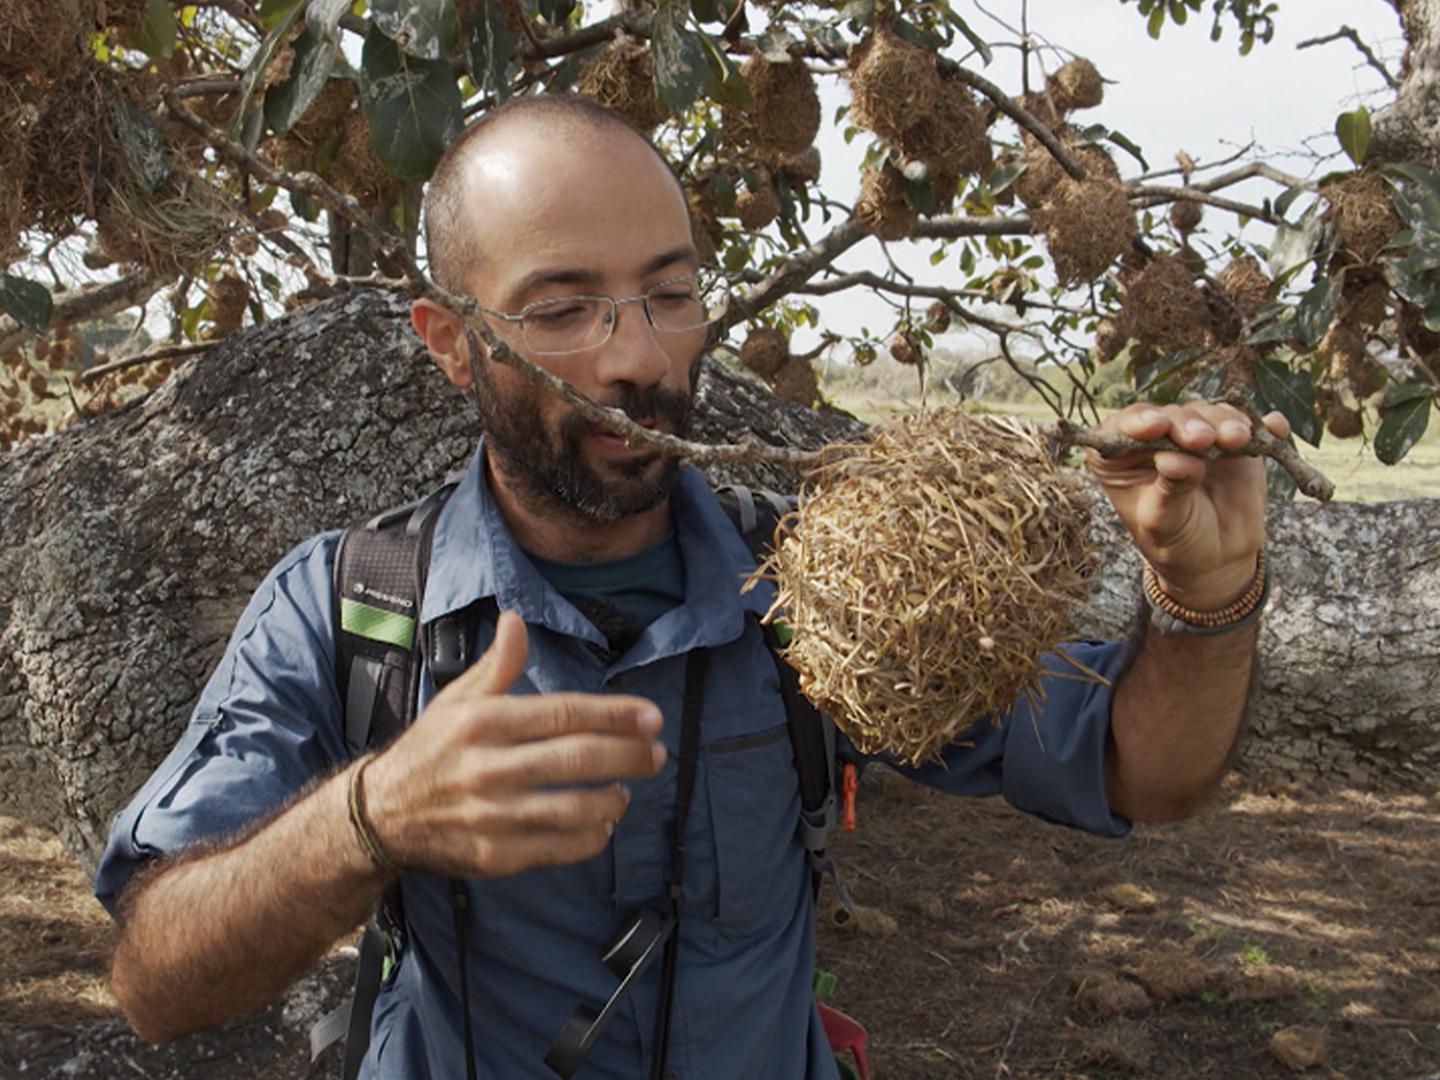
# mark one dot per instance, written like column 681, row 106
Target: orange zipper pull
column 849, row 784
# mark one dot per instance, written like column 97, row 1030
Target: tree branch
column 1370, row 57
column 93, row 303
column 1022, row 116
column 953, row 226
column 1156, row 195
column 160, row 352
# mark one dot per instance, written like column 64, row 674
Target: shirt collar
column 474, row 557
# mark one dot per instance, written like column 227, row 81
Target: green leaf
column 1402, row 427
column 273, row 12
column 1353, row 131
column 1156, row 21
column 920, row 194
column 1401, row 393
column 726, row 82
column 556, row 12
column 155, row 36
column 413, row 107
column 28, row 302
column 1291, row 392
column 1293, row 245
column 1177, row 12
column 1160, row 370
column 1124, row 142
column 1287, row 200
column 242, row 116
column 422, row 28
column 490, row 49
column 708, row 11
column 286, row 102
column 322, row 17
column 142, row 144
column 1316, row 310
column 1004, row 176
column 680, row 65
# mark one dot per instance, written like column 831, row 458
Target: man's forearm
column 1174, row 719
column 222, row 933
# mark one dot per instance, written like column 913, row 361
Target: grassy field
column 1350, row 463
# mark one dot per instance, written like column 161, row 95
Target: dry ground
column 988, row 945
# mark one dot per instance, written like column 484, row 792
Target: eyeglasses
column 568, row 324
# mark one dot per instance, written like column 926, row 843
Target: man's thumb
column 503, row 661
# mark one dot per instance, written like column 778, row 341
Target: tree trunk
column 1408, row 129
column 133, row 542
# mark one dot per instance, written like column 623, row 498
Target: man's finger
column 540, row 717
column 576, row 759
column 568, row 808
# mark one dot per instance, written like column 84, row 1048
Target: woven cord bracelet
column 1171, row 617
column 364, row 833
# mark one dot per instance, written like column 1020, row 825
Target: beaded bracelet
column 361, row 824
column 1171, row 617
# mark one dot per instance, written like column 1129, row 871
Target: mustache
column 656, row 404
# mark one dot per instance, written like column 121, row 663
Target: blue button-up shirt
column 269, row 722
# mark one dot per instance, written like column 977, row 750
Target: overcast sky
column 1182, row 92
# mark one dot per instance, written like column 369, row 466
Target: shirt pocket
column 754, row 796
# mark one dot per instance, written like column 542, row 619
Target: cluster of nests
column 29, row 391
column 766, row 142
column 927, row 573
column 766, row 352
column 898, row 91
column 1167, row 309
column 78, row 141
column 333, row 140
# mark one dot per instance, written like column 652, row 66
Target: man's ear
column 444, row 336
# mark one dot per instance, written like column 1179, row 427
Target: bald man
column 543, row 780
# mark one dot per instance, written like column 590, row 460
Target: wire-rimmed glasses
column 683, row 304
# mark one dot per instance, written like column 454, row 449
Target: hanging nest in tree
column 705, row 229
column 1088, row 224
column 951, row 136
column 1038, row 105
column 229, row 298
column 1245, row 290
column 1111, row 336
column 322, row 125
column 882, row 207
column 69, row 145
column 40, row 39
column 1364, row 301
column 796, row 382
column 1076, row 85
column 925, row 575
column 894, row 84
column 758, row 208
column 1363, row 216
column 357, row 170
column 765, row 351
column 784, row 114
column 1043, row 172
column 1185, row 215
column 801, row 168
column 622, row 78
column 1165, row 309
column 903, row 350
column 937, row 317
column 174, row 230
column 1348, row 361
column 1343, row 421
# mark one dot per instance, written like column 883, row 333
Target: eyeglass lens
column 571, row 323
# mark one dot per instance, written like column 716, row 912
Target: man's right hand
column 486, row 784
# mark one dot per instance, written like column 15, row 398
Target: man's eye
column 559, row 315
column 673, row 297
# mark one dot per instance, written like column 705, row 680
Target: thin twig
column 160, row 352
column 1025, row 118
column 1365, row 51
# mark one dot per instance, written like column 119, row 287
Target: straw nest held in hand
column 926, row 574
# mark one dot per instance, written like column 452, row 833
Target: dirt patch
column 989, row 945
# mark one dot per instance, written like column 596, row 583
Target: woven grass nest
column 622, row 78
column 1088, row 224
column 1363, row 215
column 784, row 115
column 926, row 573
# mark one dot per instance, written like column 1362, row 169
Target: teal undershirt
column 641, row 587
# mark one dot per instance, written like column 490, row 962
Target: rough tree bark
column 1408, row 129
column 132, row 542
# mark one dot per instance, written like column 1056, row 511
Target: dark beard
column 548, row 468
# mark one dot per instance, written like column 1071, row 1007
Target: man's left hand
column 1199, row 523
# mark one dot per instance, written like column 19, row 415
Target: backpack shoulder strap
column 380, row 569
column 755, row 514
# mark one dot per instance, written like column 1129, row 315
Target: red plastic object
column 849, row 784
column 845, row 1033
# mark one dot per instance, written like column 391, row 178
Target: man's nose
column 634, row 352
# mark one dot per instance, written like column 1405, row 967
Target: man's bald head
column 453, row 241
